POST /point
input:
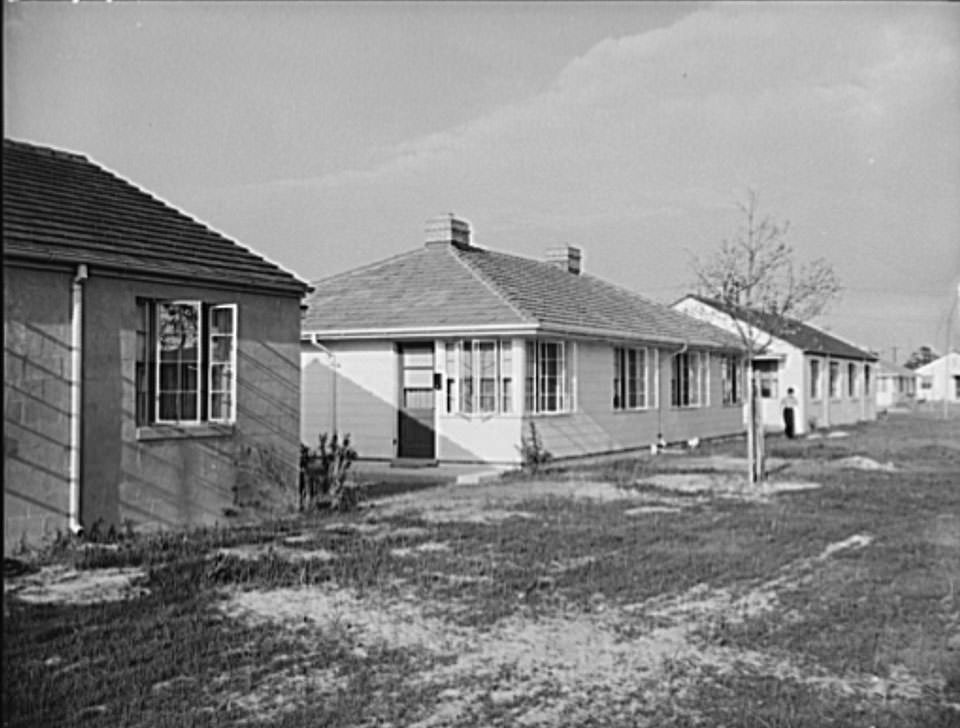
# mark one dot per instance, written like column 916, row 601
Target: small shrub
column 533, row 455
column 323, row 474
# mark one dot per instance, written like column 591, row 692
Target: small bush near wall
column 533, row 455
column 323, row 474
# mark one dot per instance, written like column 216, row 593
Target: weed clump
column 323, row 475
column 533, row 454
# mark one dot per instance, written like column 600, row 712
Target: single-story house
column 832, row 379
column 940, row 379
column 151, row 365
column 450, row 351
column 896, row 385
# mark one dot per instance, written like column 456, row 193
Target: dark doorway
column 417, row 401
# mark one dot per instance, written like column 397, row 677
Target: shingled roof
column 457, row 286
column 803, row 336
column 60, row 207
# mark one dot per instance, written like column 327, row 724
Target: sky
column 323, row 135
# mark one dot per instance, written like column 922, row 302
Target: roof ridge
column 490, row 285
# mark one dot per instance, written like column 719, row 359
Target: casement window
column 852, row 380
column 690, row 380
column 834, row 380
column 549, row 377
column 479, row 376
column 731, row 375
column 631, row 379
column 815, row 383
column 768, row 376
column 186, row 363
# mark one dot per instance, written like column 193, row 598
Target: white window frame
column 198, row 305
column 853, row 380
column 834, row 385
column 235, row 337
column 702, row 368
column 731, row 386
column 621, row 384
column 816, row 381
column 453, row 376
column 566, row 378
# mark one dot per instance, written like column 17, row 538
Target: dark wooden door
column 417, row 401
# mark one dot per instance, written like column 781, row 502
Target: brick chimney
column 567, row 257
column 446, row 230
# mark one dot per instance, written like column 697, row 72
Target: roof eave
column 294, row 287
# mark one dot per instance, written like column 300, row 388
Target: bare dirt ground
column 622, row 595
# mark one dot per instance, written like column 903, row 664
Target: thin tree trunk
column 755, row 435
column 751, row 431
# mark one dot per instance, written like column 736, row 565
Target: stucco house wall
column 162, row 476
column 367, row 393
column 940, row 379
column 36, row 401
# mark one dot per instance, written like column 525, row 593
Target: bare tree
column 755, row 278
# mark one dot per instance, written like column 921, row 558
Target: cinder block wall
column 36, row 398
column 188, row 478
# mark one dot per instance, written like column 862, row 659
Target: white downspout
column 333, row 368
column 661, row 443
column 76, row 382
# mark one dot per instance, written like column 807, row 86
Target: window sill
column 632, row 410
column 183, row 432
column 548, row 414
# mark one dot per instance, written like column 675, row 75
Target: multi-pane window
column 186, row 361
column 731, row 374
column 548, row 377
column 851, row 380
column 479, row 376
column 178, row 361
column 815, row 384
column 834, row 380
column 690, row 380
column 768, row 378
column 631, row 378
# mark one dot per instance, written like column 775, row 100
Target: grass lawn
column 615, row 594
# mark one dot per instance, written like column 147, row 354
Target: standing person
column 789, row 406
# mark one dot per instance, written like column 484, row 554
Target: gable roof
column 950, row 360
column 60, row 207
column 801, row 335
column 887, row 368
column 462, row 287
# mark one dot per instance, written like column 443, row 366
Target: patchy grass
column 590, row 598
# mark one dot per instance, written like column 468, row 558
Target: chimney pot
column 567, row 257
column 447, row 230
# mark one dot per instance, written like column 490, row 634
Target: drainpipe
column 76, row 382
column 333, row 371
column 660, row 441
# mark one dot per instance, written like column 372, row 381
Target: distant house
column 832, row 380
column 940, row 379
column 448, row 352
column 896, row 385
column 151, row 364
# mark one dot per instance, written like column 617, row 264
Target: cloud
column 844, row 117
